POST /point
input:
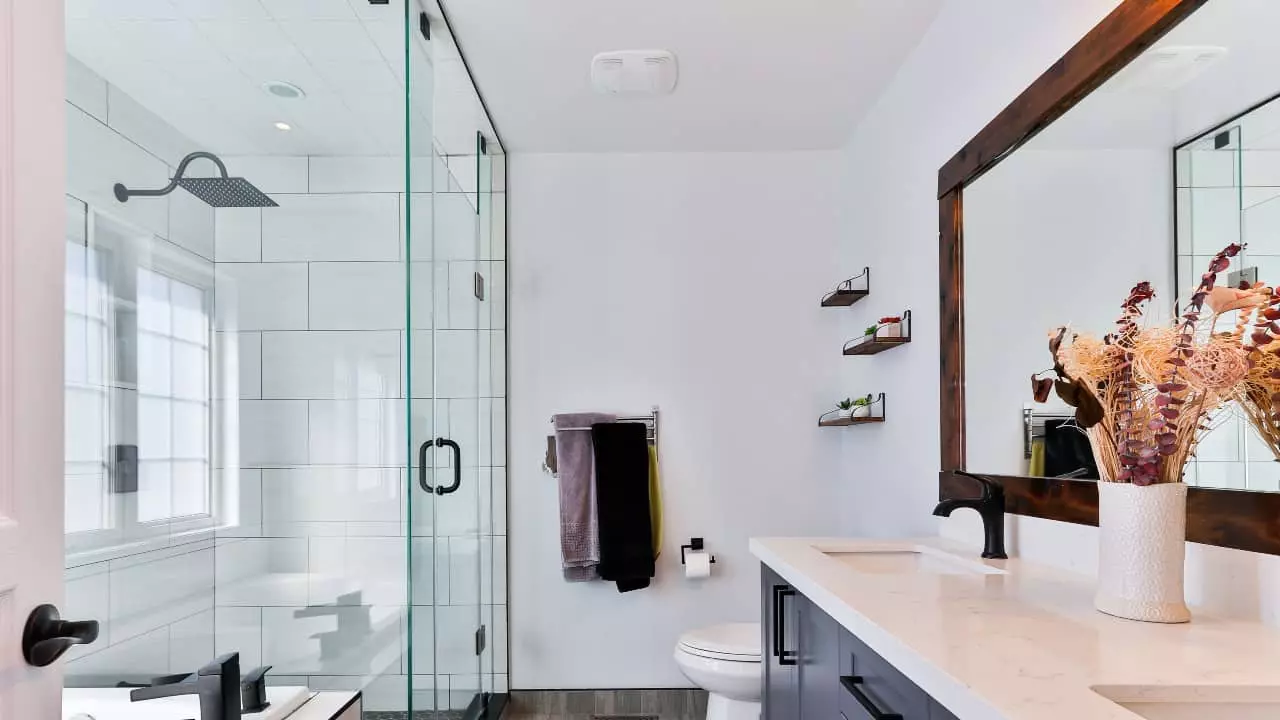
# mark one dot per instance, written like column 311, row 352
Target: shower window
column 139, row 387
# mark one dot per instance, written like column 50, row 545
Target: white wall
column 688, row 281
column 973, row 62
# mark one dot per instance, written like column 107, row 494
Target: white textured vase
column 1142, row 534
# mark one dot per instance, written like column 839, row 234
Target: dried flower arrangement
column 1145, row 396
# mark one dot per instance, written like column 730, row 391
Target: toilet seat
column 733, row 642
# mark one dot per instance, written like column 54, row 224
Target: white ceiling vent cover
column 634, row 72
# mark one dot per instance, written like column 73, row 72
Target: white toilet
column 724, row 660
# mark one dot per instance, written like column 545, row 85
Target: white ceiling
column 200, row 65
column 754, row 75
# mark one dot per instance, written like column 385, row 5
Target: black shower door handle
column 457, row 466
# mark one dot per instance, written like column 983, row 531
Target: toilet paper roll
column 697, row 564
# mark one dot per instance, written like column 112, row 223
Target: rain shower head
column 219, row 192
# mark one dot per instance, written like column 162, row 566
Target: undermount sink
column 912, row 560
column 1195, row 702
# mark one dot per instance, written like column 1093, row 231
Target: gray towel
column 579, row 531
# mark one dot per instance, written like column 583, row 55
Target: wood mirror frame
column 1228, row 518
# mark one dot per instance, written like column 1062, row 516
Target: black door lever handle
column 47, row 636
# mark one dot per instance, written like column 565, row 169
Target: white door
column 32, row 172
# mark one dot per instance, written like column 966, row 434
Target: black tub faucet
column 990, row 505
column 217, row 684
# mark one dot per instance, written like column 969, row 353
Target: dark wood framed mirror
column 1243, row 519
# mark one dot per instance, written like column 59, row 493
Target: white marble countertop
column 1022, row 645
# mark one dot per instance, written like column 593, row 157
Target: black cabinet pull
column 457, row 466
column 785, row 657
column 47, row 636
column 851, row 684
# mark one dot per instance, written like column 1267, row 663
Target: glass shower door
column 442, row 346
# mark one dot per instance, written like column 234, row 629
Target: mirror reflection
column 1174, row 158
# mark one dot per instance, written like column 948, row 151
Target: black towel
column 622, row 504
column 1067, row 451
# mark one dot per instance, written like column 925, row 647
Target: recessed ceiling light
column 283, row 126
column 283, row 90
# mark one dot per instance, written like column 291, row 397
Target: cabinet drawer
column 872, row 688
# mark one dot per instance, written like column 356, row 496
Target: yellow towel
column 655, row 502
column 1035, row 468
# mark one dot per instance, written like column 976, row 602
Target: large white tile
column 86, row 89
column 331, row 365
column 128, row 117
column 153, row 594
column 428, row 299
column 358, row 296
column 332, row 495
column 416, row 212
column 262, row 572
column 239, row 629
column 142, row 656
column 272, row 433
column 358, row 174
column 455, row 227
column 497, row 297
column 262, row 296
column 456, row 364
column 192, row 642
column 464, row 306
column 332, row 227
column 357, row 571
column 98, row 158
column 191, row 224
column 271, row 175
column 240, row 372
column 430, row 570
column 238, row 235
column 364, row 433
column 464, row 570
column 343, row 640
column 455, row 637
column 240, row 494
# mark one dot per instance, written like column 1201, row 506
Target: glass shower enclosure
column 286, row 425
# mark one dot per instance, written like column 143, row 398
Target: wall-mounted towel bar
column 550, row 465
column 1033, row 426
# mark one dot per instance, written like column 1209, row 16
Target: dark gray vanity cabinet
column 814, row 669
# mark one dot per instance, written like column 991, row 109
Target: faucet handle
column 253, row 690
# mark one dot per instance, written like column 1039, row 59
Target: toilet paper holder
column 695, row 544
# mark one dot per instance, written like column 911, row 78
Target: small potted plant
column 890, row 327
column 845, row 408
column 855, row 408
column 861, row 408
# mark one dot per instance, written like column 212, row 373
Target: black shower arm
column 177, row 175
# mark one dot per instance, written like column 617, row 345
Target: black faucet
column 217, row 684
column 990, row 505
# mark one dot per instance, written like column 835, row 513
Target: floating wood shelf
column 846, row 422
column 846, row 294
column 833, row 418
column 873, row 344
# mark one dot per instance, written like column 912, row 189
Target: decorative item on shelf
column 856, row 411
column 1144, row 397
column 846, row 293
column 889, row 332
